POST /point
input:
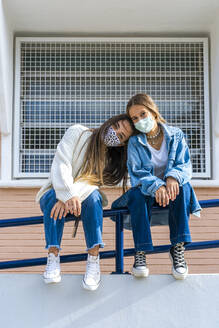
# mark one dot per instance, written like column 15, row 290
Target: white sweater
column 67, row 164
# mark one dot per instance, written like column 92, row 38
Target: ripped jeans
column 91, row 216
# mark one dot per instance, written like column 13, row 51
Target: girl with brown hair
column 160, row 169
column 85, row 160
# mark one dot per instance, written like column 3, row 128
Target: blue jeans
column 91, row 215
column 140, row 207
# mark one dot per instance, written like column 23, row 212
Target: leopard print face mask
column 111, row 139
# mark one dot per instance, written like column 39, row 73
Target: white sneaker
column 91, row 280
column 52, row 273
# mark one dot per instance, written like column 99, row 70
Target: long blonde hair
column 104, row 165
column 146, row 101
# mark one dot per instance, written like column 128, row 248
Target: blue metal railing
column 119, row 253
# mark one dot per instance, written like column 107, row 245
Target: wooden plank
column 28, row 241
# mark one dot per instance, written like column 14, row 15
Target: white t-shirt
column 159, row 159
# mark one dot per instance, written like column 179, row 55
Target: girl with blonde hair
column 85, row 160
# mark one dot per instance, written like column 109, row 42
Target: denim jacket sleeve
column 180, row 168
column 141, row 173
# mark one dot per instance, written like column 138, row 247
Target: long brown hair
column 146, row 101
column 105, row 165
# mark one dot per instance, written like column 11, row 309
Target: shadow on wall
column 121, row 301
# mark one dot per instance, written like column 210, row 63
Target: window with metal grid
column 60, row 82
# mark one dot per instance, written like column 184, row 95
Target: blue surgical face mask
column 145, row 125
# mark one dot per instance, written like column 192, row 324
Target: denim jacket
column 141, row 169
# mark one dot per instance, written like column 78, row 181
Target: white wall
column 214, row 65
column 121, row 301
column 6, row 91
column 112, row 17
column 6, row 71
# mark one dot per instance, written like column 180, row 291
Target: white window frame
column 7, row 144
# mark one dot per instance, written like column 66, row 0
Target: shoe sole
column 178, row 276
column 91, row 288
column 141, row 274
column 52, row 280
